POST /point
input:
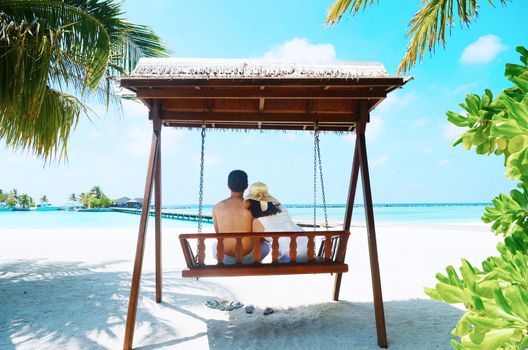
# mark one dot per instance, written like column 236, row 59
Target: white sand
column 69, row 290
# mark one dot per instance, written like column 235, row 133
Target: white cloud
column 379, row 161
column 451, row 131
column 484, row 50
column 137, row 140
column 132, row 109
column 396, row 100
column 419, row 123
column 427, row 151
column 462, row 89
column 301, row 50
column 374, row 128
column 443, row 162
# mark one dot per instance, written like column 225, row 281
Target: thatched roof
column 122, row 200
column 209, row 68
column 259, row 94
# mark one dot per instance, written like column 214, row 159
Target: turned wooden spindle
column 275, row 250
column 201, row 251
column 238, row 250
column 311, row 249
column 256, row 250
column 220, row 251
column 328, row 248
column 293, row 249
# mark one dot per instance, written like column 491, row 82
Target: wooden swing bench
column 256, row 95
column 329, row 258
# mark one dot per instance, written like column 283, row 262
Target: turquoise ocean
column 411, row 213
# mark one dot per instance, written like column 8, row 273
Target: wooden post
column 156, row 123
column 348, row 214
column 140, row 248
column 371, row 232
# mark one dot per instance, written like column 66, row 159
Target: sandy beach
column 68, row 289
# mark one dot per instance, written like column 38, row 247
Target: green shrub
column 496, row 295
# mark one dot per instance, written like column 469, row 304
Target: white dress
column 283, row 222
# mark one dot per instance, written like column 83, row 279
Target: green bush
column 496, row 295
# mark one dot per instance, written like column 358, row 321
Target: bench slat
column 262, row 270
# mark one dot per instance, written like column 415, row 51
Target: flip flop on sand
column 268, row 311
column 215, row 304
column 250, row 309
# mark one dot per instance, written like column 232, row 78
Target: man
column 230, row 215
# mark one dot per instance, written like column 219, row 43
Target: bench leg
column 337, row 285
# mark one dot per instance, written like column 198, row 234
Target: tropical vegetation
column 72, row 197
column 95, row 198
column 13, row 199
column 56, row 56
column 427, row 28
column 495, row 295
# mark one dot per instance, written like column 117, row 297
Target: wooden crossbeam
column 265, row 117
column 346, row 127
column 283, row 93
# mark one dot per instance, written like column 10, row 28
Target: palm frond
column 340, row 7
column 83, row 36
column 49, row 47
column 47, row 133
column 428, row 27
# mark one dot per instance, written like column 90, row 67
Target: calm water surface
column 72, row 219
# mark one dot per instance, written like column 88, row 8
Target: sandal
column 215, row 304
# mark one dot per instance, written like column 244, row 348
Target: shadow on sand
column 79, row 306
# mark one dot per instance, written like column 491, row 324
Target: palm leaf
column 47, row 133
column 428, row 26
column 49, row 47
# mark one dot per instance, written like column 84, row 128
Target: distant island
column 95, row 198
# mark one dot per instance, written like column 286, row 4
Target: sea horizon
column 424, row 213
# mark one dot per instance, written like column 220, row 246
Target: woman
column 270, row 216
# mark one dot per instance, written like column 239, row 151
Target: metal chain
column 322, row 181
column 200, row 193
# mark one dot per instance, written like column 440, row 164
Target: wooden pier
column 208, row 218
column 168, row 215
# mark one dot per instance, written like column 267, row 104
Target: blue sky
column 408, row 138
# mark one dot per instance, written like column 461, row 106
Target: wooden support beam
column 371, row 232
column 283, row 93
column 352, row 189
column 140, row 248
column 157, row 125
column 345, row 127
column 275, row 117
column 348, row 213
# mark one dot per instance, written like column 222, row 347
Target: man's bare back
column 230, row 215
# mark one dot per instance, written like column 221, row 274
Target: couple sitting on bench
column 257, row 212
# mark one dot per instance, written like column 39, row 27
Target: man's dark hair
column 237, row 181
column 254, row 207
